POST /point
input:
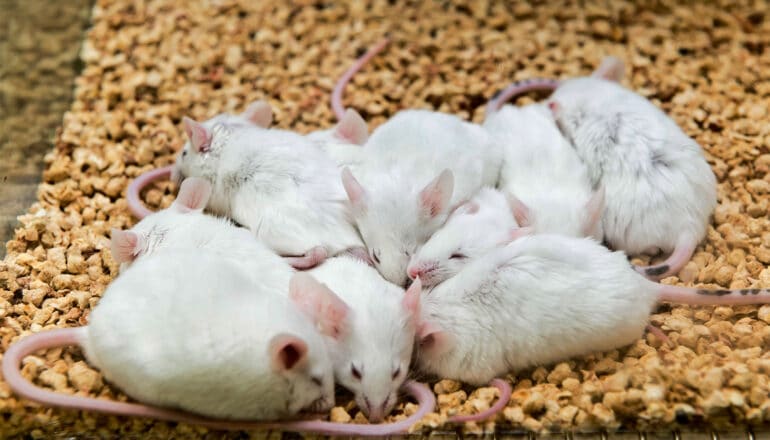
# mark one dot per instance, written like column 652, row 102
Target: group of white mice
column 458, row 250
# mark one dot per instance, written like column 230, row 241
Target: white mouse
column 274, row 182
column 374, row 323
column 541, row 299
column 472, row 229
column 230, row 348
column 551, row 190
column 660, row 191
column 417, row 166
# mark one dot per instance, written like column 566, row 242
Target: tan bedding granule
column 148, row 63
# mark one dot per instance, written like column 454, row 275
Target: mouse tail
column 135, row 203
column 11, row 368
column 504, row 389
column 516, row 89
column 711, row 297
column 339, row 87
column 673, row 264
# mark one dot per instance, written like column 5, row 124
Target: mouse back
column 220, row 332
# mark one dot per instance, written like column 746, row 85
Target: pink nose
column 414, row 272
column 553, row 106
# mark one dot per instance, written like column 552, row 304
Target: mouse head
column 157, row 230
column 471, row 230
column 299, row 354
column 200, row 153
column 556, row 214
column 371, row 346
column 395, row 221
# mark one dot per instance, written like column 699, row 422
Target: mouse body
column 274, row 182
column 231, row 348
column 376, row 323
column 550, row 184
column 416, row 166
column 543, row 298
column 660, row 191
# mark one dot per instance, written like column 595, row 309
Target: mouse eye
column 317, row 381
column 396, row 373
column 458, row 256
column 184, row 153
column 354, row 371
column 375, row 256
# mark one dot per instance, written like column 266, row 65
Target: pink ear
column 356, row 192
column 594, row 210
column 520, row 211
column 286, row 352
column 352, row 128
column 611, row 69
column 435, row 197
column 260, row 113
column 196, row 132
column 411, row 299
column 193, row 194
column 326, row 309
column 433, row 339
column 124, row 245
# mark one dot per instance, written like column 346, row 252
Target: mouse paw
column 311, row 259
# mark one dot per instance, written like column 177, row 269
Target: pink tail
column 710, row 297
column 673, row 264
column 339, row 109
column 74, row 336
column 518, row 88
column 135, row 188
column 505, row 395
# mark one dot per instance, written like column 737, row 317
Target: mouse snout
column 376, row 412
column 421, row 270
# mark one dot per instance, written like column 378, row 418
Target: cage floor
column 148, row 63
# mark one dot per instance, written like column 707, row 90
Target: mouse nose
column 413, row 272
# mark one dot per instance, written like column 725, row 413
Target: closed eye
column 375, row 257
column 396, row 373
column 457, row 256
column 317, row 381
column 354, row 371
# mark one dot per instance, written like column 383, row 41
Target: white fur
column 471, row 231
column 541, row 299
column 400, row 158
column 188, row 330
column 341, row 151
column 379, row 336
column 542, row 170
column 277, row 184
column 659, row 187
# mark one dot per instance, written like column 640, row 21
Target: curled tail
column 11, row 368
column 135, row 203
column 695, row 296
column 339, row 87
column 518, row 88
column 504, row 388
column 673, row 264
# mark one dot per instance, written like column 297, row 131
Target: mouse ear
column 259, row 113
column 287, row 352
column 356, row 192
column 194, row 194
column 435, row 197
column 594, row 210
column 611, row 69
column 433, row 339
column 125, row 245
column 323, row 306
column 520, row 211
column 199, row 137
column 352, row 128
column 411, row 301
